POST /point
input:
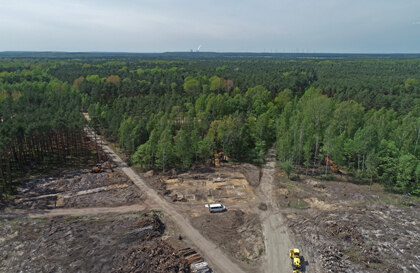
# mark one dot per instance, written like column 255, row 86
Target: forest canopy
column 166, row 112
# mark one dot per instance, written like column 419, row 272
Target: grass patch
column 328, row 177
column 298, row 204
column 41, row 218
column 354, row 254
column 76, row 217
column 398, row 200
column 157, row 212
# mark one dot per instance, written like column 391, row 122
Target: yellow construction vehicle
column 295, row 257
column 297, row 271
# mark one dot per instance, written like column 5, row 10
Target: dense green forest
column 169, row 111
column 40, row 122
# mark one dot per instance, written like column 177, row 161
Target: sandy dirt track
column 17, row 213
column 276, row 238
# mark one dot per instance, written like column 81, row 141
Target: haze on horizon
column 307, row 26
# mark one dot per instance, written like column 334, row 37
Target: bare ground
column 78, row 221
column 339, row 226
column 276, row 235
column 21, row 213
column 343, row 227
column 216, row 258
column 77, row 188
column 237, row 232
column 105, row 243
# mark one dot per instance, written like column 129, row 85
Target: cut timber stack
column 196, row 262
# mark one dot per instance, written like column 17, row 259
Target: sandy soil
column 276, row 236
column 230, row 184
column 238, row 231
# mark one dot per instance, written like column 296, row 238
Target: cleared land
column 75, row 221
column 77, row 189
column 238, row 231
column 276, row 235
column 106, row 243
column 344, row 227
column 85, row 222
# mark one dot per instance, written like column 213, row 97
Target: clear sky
column 342, row 26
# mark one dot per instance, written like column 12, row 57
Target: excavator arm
column 99, row 167
column 332, row 165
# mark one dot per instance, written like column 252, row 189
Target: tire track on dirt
column 276, row 237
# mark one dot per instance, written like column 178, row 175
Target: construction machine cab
column 100, row 167
column 295, row 257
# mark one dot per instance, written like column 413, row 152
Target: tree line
column 179, row 112
column 40, row 125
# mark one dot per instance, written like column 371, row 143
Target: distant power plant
column 198, row 49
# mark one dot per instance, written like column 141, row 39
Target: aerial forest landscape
column 171, row 159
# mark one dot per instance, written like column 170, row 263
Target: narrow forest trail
column 211, row 253
column 276, row 237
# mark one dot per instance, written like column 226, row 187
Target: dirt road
column 276, row 238
column 215, row 257
column 18, row 213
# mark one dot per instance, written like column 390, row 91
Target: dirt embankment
column 110, row 243
column 345, row 227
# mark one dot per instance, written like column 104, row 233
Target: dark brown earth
column 100, row 231
column 79, row 189
column 106, row 243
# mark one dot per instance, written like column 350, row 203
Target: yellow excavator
column 295, row 257
column 100, row 166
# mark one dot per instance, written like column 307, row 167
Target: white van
column 215, row 207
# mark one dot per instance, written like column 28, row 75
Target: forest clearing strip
column 213, row 254
column 19, row 213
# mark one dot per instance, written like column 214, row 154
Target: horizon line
column 207, row 52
